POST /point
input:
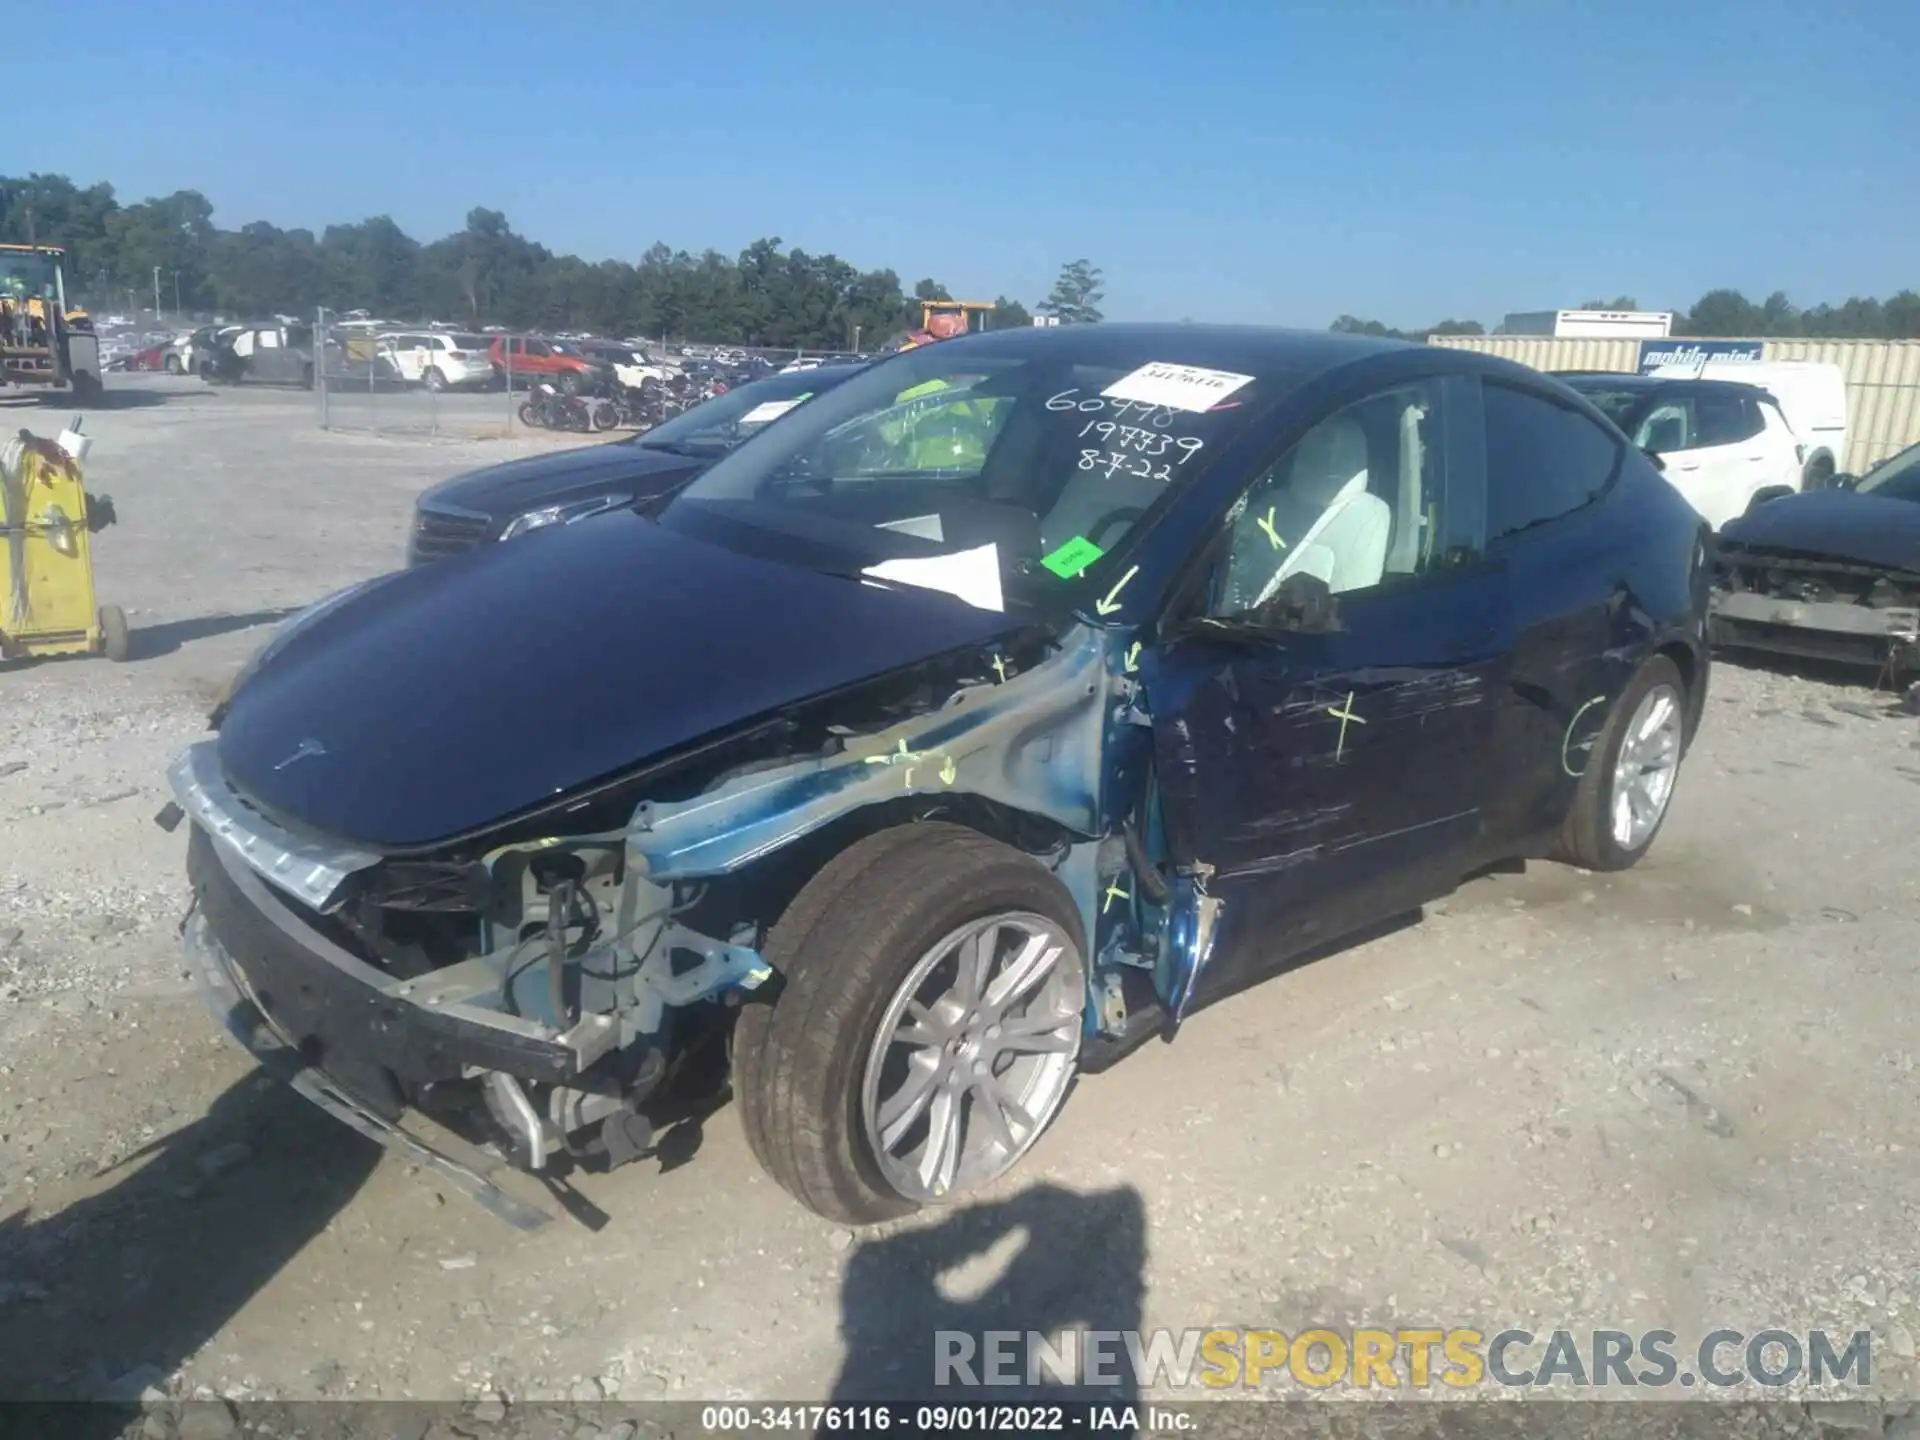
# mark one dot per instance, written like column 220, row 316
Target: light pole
column 156, row 294
column 176, row 295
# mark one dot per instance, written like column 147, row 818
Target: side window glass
column 1358, row 503
column 1544, row 460
column 1723, row 419
column 537, row 348
column 1668, row 428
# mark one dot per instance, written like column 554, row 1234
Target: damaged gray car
column 970, row 727
column 1829, row 574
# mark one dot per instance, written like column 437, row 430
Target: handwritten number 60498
column 1158, row 416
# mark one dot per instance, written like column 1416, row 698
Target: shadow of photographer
column 916, row 1307
column 113, row 1292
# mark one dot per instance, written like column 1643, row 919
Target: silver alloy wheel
column 1648, row 763
column 973, row 1055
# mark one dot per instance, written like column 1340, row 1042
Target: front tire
column 174, row 367
column 1627, row 786
column 927, row 1028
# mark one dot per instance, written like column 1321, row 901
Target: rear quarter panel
column 1595, row 595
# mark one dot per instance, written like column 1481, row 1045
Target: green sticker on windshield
column 1073, row 557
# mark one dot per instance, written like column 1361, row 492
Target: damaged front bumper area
column 530, row 1037
column 1886, row 637
column 227, row 993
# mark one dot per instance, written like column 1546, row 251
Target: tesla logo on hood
column 302, row 751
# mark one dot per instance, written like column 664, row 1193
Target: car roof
column 1257, row 349
column 1656, row 383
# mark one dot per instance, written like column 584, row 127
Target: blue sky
column 1277, row 163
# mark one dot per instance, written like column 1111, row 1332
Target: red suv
column 570, row 370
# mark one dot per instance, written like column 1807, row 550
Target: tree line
column 486, row 273
column 1728, row 314
column 768, row 294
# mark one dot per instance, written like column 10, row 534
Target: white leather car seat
column 1346, row 547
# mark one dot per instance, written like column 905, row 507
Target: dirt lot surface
column 1685, row 1097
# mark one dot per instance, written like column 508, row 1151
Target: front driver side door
column 1318, row 782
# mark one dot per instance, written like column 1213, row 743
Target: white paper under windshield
column 970, row 575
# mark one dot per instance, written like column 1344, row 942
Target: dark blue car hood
column 447, row 698
column 1836, row 525
column 517, row 486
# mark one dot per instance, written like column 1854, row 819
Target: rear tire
column 1591, row 836
column 436, row 381
column 114, row 640
column 845, row 948
column 569, row 384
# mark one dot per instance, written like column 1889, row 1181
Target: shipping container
column 1882, row 376
column 1546, row 352
column 1590, row 324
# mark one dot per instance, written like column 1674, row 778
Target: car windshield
column 1895, row 478
column 717, row 425
column 995, row 470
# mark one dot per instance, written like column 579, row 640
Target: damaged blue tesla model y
column 979, row 720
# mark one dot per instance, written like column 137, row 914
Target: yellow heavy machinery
column 944, row 319
column 44, row 345
column 47, row 521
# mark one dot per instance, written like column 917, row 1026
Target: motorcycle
column 548, row 409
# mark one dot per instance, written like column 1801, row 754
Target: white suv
column 439, row 360
column 1720, row 444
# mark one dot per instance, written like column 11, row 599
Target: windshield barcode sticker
column 1179, row 387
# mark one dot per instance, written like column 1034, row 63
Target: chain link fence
column 428, row 383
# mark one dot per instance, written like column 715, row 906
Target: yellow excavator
column 45, row 346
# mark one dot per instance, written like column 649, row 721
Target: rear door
column 1549, row 471
column 1315, row 782
column 410, row 355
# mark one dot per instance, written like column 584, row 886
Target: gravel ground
column 1681, row 1098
